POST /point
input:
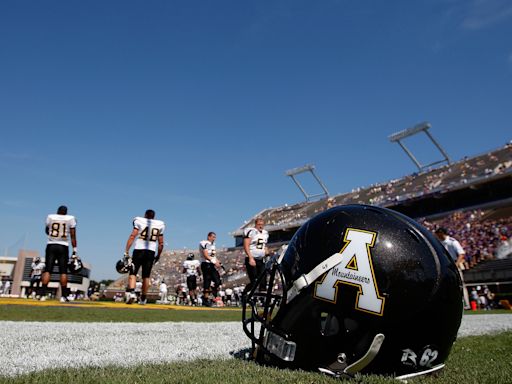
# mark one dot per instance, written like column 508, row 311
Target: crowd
column 411, row 186
column 480, row 237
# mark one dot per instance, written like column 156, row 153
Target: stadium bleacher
column 469, row 171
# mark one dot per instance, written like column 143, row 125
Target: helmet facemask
column 270, row 326
column 260, row 307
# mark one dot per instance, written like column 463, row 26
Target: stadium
column 106, row 341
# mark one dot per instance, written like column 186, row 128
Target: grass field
column 107, row 314
column 477, row 359
column 474, row 360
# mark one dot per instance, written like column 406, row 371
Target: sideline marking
column 108, row 304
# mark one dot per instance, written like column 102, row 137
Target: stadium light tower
column 418, row 128
column 307, row 168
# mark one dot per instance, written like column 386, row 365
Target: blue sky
column 197, row 108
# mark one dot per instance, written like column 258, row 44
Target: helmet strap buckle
column 339, row 367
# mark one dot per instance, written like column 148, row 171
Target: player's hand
column 74, row 255
column 156, row 259
column 252, row 262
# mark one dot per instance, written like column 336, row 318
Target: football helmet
column 75, row 264
column 190, row 256
column 124, row 265
column 359, row 289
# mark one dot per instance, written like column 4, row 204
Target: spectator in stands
column 255, row 248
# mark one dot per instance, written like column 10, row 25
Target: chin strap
column 339, row 368
column 307, row 279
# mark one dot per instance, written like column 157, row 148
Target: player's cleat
column 143, row 302
column 42, row 298
column 64, row 299
column 129, row 297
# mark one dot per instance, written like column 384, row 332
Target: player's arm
column 460, row 260
column 130, row 241
column 160, row 247
column 72, row 232
column 461, row 255
column 247, row 250
column 205, row 254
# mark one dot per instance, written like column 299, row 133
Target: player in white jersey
column 209, row 268
column 60, row 227
column 148, row 235
column 457, row 254
column 191, row 268
column 255, row 248
column 37, row 269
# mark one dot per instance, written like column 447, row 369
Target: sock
column 142, row 297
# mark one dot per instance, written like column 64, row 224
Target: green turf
column 136, row 315
column 493, row 312
column 474, row 360
column 92, row 314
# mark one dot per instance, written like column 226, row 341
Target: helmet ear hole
column 329, row 324
column 350, row 325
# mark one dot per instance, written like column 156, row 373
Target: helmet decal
column 355, row 269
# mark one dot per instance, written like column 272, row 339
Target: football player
column 255, row 248
column 35, row 277
column 148, row 235
column 60, row 227
column 191, row 268
column 209, row 268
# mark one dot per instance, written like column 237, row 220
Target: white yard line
column 34, row 346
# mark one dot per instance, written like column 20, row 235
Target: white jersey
column 149, row 231
column 58, row 228
column 258, row 241
column 453, row 247
column 37, row 269
column 190, row 267
column 210, row 248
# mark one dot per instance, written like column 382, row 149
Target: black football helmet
column 359, row 289
column 124, row 265
column 190, row 256
column 75, row 264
